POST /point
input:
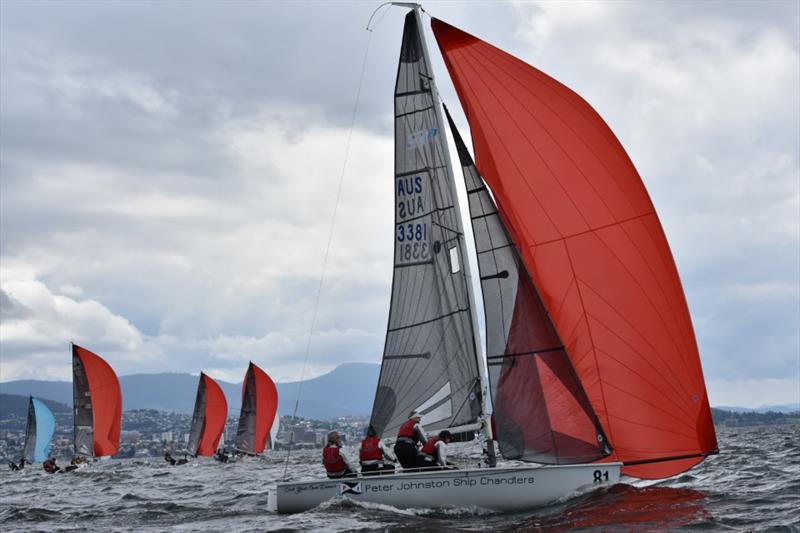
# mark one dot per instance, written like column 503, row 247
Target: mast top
column 409, row 5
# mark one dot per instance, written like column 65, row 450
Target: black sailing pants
column 407, row 455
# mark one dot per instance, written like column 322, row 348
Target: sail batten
column 589, row 236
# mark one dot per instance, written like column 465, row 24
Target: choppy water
column 753, row 485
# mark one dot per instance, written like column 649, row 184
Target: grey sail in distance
column 541, row 412
column 83, row 425
column 430, row 359
column 246, row 430
column 198, row 417
column 30, row 434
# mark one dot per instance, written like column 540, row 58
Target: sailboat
column 97, row 401
column 258, row 418
column 208, row 420
column 38, row 431
column 591, row 360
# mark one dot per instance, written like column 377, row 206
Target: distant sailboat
column 97, row 401
column 592, row 361
column 258, row 419
column 38, row 432
column 208, row 421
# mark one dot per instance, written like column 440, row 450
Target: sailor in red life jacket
column 410, row 435
column 375, row 458
column 334, row 460
column 434, row 453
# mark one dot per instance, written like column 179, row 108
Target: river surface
column 753, row 485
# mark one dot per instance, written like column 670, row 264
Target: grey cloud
column 177, row 162
column 11, row 309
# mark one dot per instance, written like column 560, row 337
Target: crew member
column 50, row 466
column 74, row 464
column 409, row 437
column 375, row 458
column 336, row 463
column 168, row 458
column 434, row 453
column 221, row 456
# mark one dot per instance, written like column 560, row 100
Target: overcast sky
column 168, row 173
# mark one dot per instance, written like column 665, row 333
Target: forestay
column 430, row 361
column 540, row 409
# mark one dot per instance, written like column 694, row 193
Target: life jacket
column 332, row 460
column 370, row 449
column 430, row 447
column 407, row 430
column 49, row 466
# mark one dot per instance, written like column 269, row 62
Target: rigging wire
column 328, row 246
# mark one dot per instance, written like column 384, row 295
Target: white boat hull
column 501, row 489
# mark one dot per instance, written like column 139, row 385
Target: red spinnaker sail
column 592, row 242
column 266, row 396
column 216, row 413
column 106, row 400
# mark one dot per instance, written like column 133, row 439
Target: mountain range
column 348, row 390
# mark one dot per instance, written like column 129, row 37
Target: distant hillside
column 57, row 391
column 752, row 418
column 348, row 390
column 16, row 405
column 785, row 408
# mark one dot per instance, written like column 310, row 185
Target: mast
column 486, row 426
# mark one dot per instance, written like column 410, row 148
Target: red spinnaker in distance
column 266, row 402
column 216, row 413
column 106, row 400
column 592, row 242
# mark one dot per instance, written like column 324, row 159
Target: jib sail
column 540, row 409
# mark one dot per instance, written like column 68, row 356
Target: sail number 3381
column 412, row 232
column 413, row 241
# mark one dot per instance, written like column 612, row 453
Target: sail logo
column 349, row 487
column 418, row 139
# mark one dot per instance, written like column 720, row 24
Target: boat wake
column 342, row 504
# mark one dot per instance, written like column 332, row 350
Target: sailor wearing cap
column 336, row 463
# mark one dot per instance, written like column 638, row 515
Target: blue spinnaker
column 45, row 427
